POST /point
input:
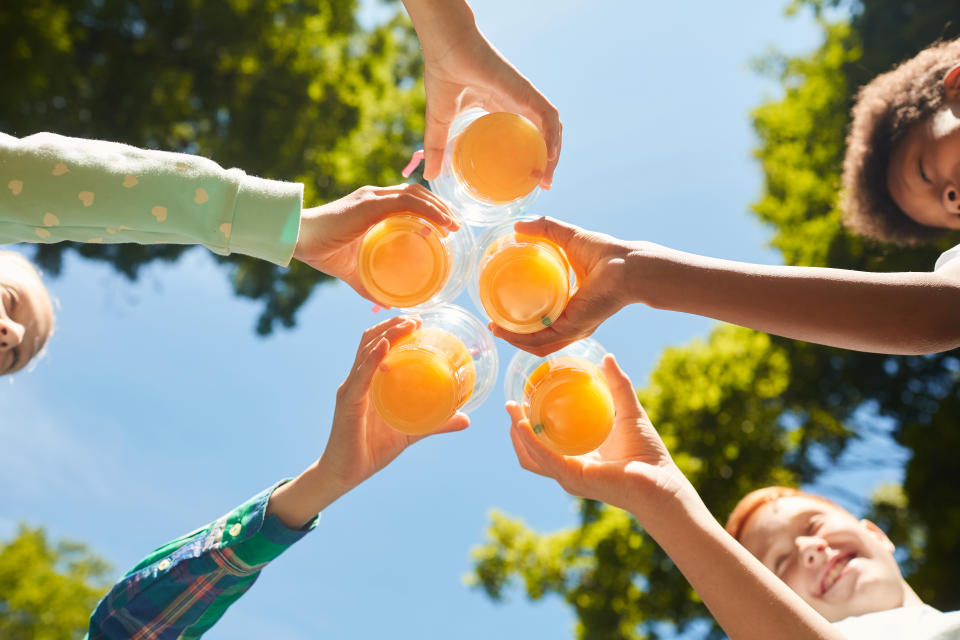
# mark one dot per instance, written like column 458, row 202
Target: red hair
column 750, row 503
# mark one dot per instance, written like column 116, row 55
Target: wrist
column 307, row 217
column 647, row 280
column 301, row 499
column 442, row 25
column 668, row 503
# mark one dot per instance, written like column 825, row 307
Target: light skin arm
column 897, row 313
column 634, row 471
column 463, row 70
column 360, row 443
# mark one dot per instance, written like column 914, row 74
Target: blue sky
column 158, row 408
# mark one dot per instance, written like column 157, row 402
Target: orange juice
column 500, row 157
column 402, row 261
column 570, row 406
column 524, row 282
column 424, row 379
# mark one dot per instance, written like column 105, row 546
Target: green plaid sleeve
column 183, row 588
column 55, row 188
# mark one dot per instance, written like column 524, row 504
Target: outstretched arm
column 898, row 313
column 183, row 588
column 901, row 313
column 634, row 471
column 463, row 70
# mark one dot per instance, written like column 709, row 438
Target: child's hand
column 598, row 260
column 360, row 442
column 471, row 73
column 632, row 469
column 330, row 234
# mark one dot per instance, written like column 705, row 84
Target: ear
column 951, row 88
column 878, row 534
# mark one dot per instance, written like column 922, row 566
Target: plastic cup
column 522, row 282
column 447, row 365
column 564, row 396
column 406, row 261
column 492, row 165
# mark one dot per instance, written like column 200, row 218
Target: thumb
column 557, row 232
column 438, row 120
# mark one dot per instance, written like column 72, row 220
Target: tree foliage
column 47, row 590
column 288, row 90
column 743, row 410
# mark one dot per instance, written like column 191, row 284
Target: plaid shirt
column 183, row 588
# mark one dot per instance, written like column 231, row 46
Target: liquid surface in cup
column 524, row 283
column 500, row 157
column 402, row 261
column 422, row 381
column 570, row 405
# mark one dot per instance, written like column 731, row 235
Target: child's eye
column 923, row 174
column 779, row 563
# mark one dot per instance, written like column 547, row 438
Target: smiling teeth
column 835, row 573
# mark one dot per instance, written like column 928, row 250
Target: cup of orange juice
column 406, row 261
column 492, row 165
column 447, row 365
column 565, row 396
column 522, row 282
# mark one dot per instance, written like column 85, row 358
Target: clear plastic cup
column 407, row 262
column 522, row 282
column 564, row 396
column 447, row 365
column 492, row 165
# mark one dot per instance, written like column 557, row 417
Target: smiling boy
column 842, row 567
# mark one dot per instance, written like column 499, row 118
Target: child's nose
column 11, row 334
column 812, row 550
column 951, row 198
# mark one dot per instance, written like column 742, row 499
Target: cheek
column 799, row 583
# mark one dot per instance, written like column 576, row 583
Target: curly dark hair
column 886, row 108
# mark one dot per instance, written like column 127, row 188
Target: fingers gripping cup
column 522, row 282
column 564, row 396
column 406, row 261
column 449, row 364
column 492, row 165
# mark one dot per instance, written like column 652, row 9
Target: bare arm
column 901, row 313
column 634, row 471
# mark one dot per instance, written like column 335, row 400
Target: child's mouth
column 835, row 570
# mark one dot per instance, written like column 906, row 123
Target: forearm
column 58, row 188
column 440, row 23
column 746, row 599
column 183, row 587
column 300, row 500
column 900, row 313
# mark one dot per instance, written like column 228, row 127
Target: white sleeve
column 947, row 256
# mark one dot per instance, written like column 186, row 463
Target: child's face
column 26, row 314
column 840, row 565
column 924, row 171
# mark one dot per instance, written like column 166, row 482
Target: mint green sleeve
column 55, row 188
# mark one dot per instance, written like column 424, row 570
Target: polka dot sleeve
column 55, row 188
